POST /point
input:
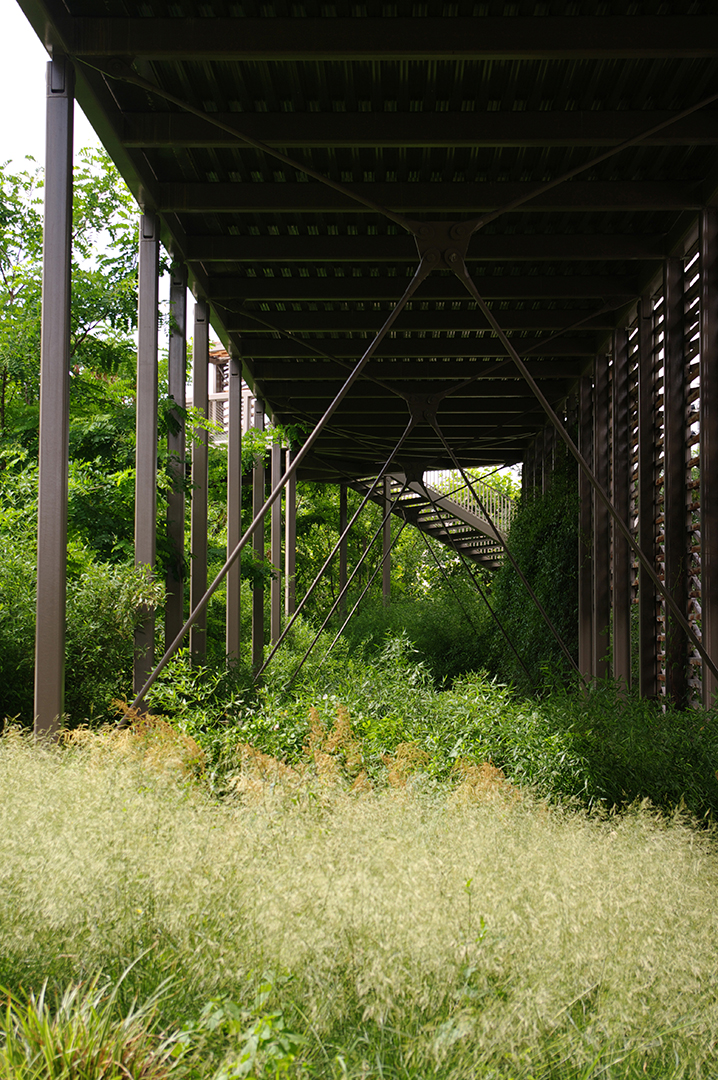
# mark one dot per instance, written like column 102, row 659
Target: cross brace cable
column 342, row 593
column 311, row 347
column 365, row 590
column 479, row 223
column 459, row 267
column 119, row 69
column 526, row 352
column 428, row 260
column 512, row 559
column 480, row 591
column 336, row 547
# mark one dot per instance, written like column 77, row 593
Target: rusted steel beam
column 146, row 432
column 275, row 588
column 233, row 620
column 709, row 444
column 674, row 478
column 290, row 543
column 343, row 545
column 585, row 531
column 493, row 247
column 386, row 542
column 200, row 463
column 345, row 322
column 581, row 38
column 54, row 402
column 177, row 373
column 621, row 500
column 647, row 600
column 464, row 198
column 437, row 129
column 620, row 287
column 258, row 517
column 601, row 522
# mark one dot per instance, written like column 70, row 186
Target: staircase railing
column 499, row 506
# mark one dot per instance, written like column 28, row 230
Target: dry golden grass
column 460, row 928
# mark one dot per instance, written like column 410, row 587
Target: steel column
column 54, row 401
column 601, row 522
column 709, row 445
column 233, row 619
column 585, row 532
column 621, row 467
column 275, row 589
column 647, row 625
column 198, row 539
column 675, row 529
column 177, row 377
column 290, row 543
column 343, row 545
column 146, row 432
column 258, row 546
column 386, row 541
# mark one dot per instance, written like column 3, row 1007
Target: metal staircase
column 444, row 509
column 441, row 505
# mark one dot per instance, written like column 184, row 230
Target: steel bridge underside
column 533, row 185
column 440, row 114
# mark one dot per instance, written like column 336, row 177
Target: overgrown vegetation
column 406, row 852
column 415, row 930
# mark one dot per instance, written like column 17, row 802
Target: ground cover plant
column 411, row 929
column 599, row 746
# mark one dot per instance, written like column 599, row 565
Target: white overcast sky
column 22, row 91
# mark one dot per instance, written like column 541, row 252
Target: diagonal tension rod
column 335, row 549
column 455, row 259
column 512, row 558
column 476, row 584
column 343, row 592
column 121, row 70
column 429, row 260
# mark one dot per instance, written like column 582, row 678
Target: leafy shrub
column 103, row 608
column 544, row 541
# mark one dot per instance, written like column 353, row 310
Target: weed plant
column 311, row 932
column 600, row 747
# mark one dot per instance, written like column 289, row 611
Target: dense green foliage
column 597, row 747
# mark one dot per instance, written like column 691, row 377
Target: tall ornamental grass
column 419, row 931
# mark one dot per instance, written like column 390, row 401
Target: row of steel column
column 637, row 447
column 54, row 444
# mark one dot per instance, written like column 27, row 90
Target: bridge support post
column 621, row 500
column 54, row 402
column 234, row 506
column 177, row 377
column 258, row 546
column 146, row 433
column 343, row 547
column 601, row 522
column 275, row 589
column 200, row 391
column 585, row 532
column 290, row 542
column 386, row 545
column 709, row 445
column 647, row 625
column 675, row 529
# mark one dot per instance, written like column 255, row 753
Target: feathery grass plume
column 483, row 781
column 261, row 775
column 407, row 759
column 415, row 936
